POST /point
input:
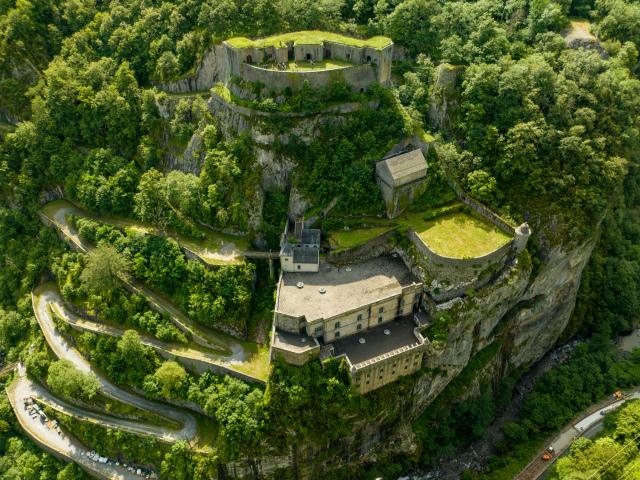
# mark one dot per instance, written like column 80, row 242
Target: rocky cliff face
column 208, row 72
column 512, row 322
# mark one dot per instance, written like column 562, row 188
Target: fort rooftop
column 309, row 37
column 345, row 289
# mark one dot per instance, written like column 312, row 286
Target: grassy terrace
column 342, row 240
column 447, row 230
column 308, row 37
column 461, row 235
column 333, row 64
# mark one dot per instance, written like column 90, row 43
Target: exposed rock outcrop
column 443, row 94
column 208, row 72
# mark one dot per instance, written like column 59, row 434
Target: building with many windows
column 365, row 313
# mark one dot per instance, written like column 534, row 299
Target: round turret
column 523, row 232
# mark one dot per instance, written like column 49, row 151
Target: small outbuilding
column 401, row 178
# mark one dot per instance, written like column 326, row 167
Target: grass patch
column 304, row 66
column 309, row 37
column 460, row 235
column 341, row 240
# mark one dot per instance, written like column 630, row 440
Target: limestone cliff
column 508, row 324
column 208, row 71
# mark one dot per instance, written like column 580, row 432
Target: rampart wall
column 448, row 277
column 358, row 77
column 491, row 257
column 244, row 63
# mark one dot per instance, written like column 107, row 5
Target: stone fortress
column 319, row 58
column 373, row 311
column 372, row 304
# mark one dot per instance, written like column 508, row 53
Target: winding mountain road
column 63, row 350
column 206, row 359
column 56, row 441
column 26, row 388
column 235, row 356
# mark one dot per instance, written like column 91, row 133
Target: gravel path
column 232, row 354
column 63, row 350
column 56, row 441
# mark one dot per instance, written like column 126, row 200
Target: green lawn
column 461, row 235
column 341, row 240
column 447, row 230
column 308, row 37
column 304, row 66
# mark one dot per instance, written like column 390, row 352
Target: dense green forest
column 533, row 129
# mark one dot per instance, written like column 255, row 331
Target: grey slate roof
column 286, row 249
column 306, row 254
column 377, row 342
column 402, row 169
column 310, row 236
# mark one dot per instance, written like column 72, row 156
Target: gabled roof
column 306, row 255
column 402, row 169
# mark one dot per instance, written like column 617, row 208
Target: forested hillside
column 539, row 130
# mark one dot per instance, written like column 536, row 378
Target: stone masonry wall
column 357, row 77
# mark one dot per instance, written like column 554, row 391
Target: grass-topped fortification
column 309, row 37
column 286, row 62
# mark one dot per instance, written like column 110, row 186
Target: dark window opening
column 368, row 58
column 308, row 57
column 348, row 56
column 290, row 54
column 249, row 59
column 327, row 54
column 359, row 326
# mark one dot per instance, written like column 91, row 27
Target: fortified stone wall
column 358, row 77
column 452, row 277
column 241, row 62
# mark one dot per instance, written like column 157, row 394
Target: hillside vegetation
column 535, row 130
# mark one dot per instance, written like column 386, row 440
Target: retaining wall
column 452, row 277
column 211, row 69
column 358, row 77
column 491, row 257
column 373, row 248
